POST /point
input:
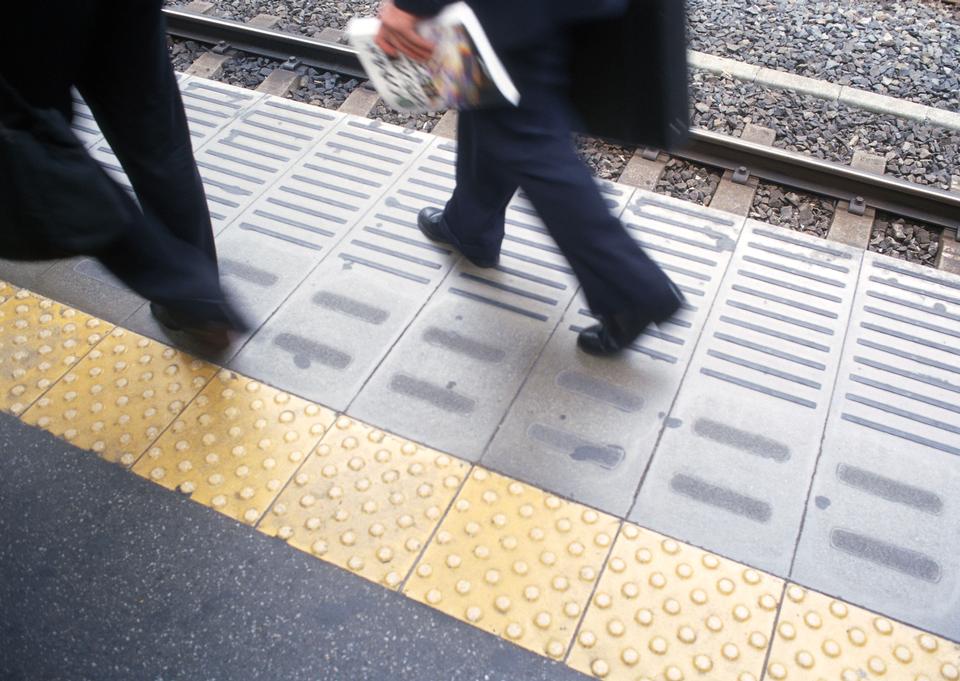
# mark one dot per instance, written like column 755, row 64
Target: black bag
column 55, row 199
column 629, row 75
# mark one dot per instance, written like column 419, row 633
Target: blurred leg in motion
column 531, row 147
column 115, row 52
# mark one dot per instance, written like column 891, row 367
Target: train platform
column 410, row 471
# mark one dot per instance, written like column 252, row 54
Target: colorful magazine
column 463, row 73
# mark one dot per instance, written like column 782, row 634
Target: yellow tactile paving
column 366, row 501
column 667, row 611
column 39, row 341
column 6, row 291
column 515, row 561
column 236, row 445
column 819, row 638
column 507, row 558
column 119, row 398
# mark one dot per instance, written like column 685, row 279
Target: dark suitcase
column 629, row 75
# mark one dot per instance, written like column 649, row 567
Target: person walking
column 115, row 53
column 530, row 146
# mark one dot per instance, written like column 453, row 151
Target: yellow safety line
column 603, row 595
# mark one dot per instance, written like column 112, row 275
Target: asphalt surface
column 105, row 576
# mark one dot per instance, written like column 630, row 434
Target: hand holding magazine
column 464, row 72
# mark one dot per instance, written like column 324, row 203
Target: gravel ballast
column 918, row 152
column 796, row 210
column 308, row 17
column 908, row 49
column 904, row 239
column 689, row 181
column 903, row 48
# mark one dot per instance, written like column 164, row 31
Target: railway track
column 859, row 188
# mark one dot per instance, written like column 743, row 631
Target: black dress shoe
column 617, row 332
column 211, row 333
column 429, row 222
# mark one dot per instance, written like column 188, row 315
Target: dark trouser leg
column 474, row 215
column 532, row 147
column 169, row 257
column 137, row 103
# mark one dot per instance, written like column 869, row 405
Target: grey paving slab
column 87, row 285
column 256, row 279
column 454, row 372
column 257, row 147
column 733, row 467
column 25, row 274
column 883, row 523
column 332, row 333
column 109, row 577
column 585, row 427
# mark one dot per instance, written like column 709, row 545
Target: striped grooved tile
column 733, row 467
column 327, row 339
column 884, row 500
column 451, row 376
column 586, row 425
column 244, row 158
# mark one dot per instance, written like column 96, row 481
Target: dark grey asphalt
column 106, row 576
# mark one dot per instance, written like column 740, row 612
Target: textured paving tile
column 7, row 291
column 514, row 561
column 40, row 340
column 210, row 106
column 235, row 446
column 733, row 467
column 452, row 375
column 83, row 124
column 119, row 398
column 254, row 150
column 585, row 427
column 366, row 501
column 668, row 611
column 884, row 501
column 100, row 150
column 330, row 335
column 330, row 188
column 818, row 637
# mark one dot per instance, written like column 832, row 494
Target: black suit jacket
column 627, row 65
column 512, row 24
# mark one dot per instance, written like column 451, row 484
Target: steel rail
column 801, row 171
column 321, row 54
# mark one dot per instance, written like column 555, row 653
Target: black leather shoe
column 617, row 332
column 213, row 334
column 428, row 220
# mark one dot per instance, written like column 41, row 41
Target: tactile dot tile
column 667, row 611
column 235, row 446
column 121, row 396
column 366, row 501
column 514, row 561
column 39, row 341
column 7, row 292
column 818, row 637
